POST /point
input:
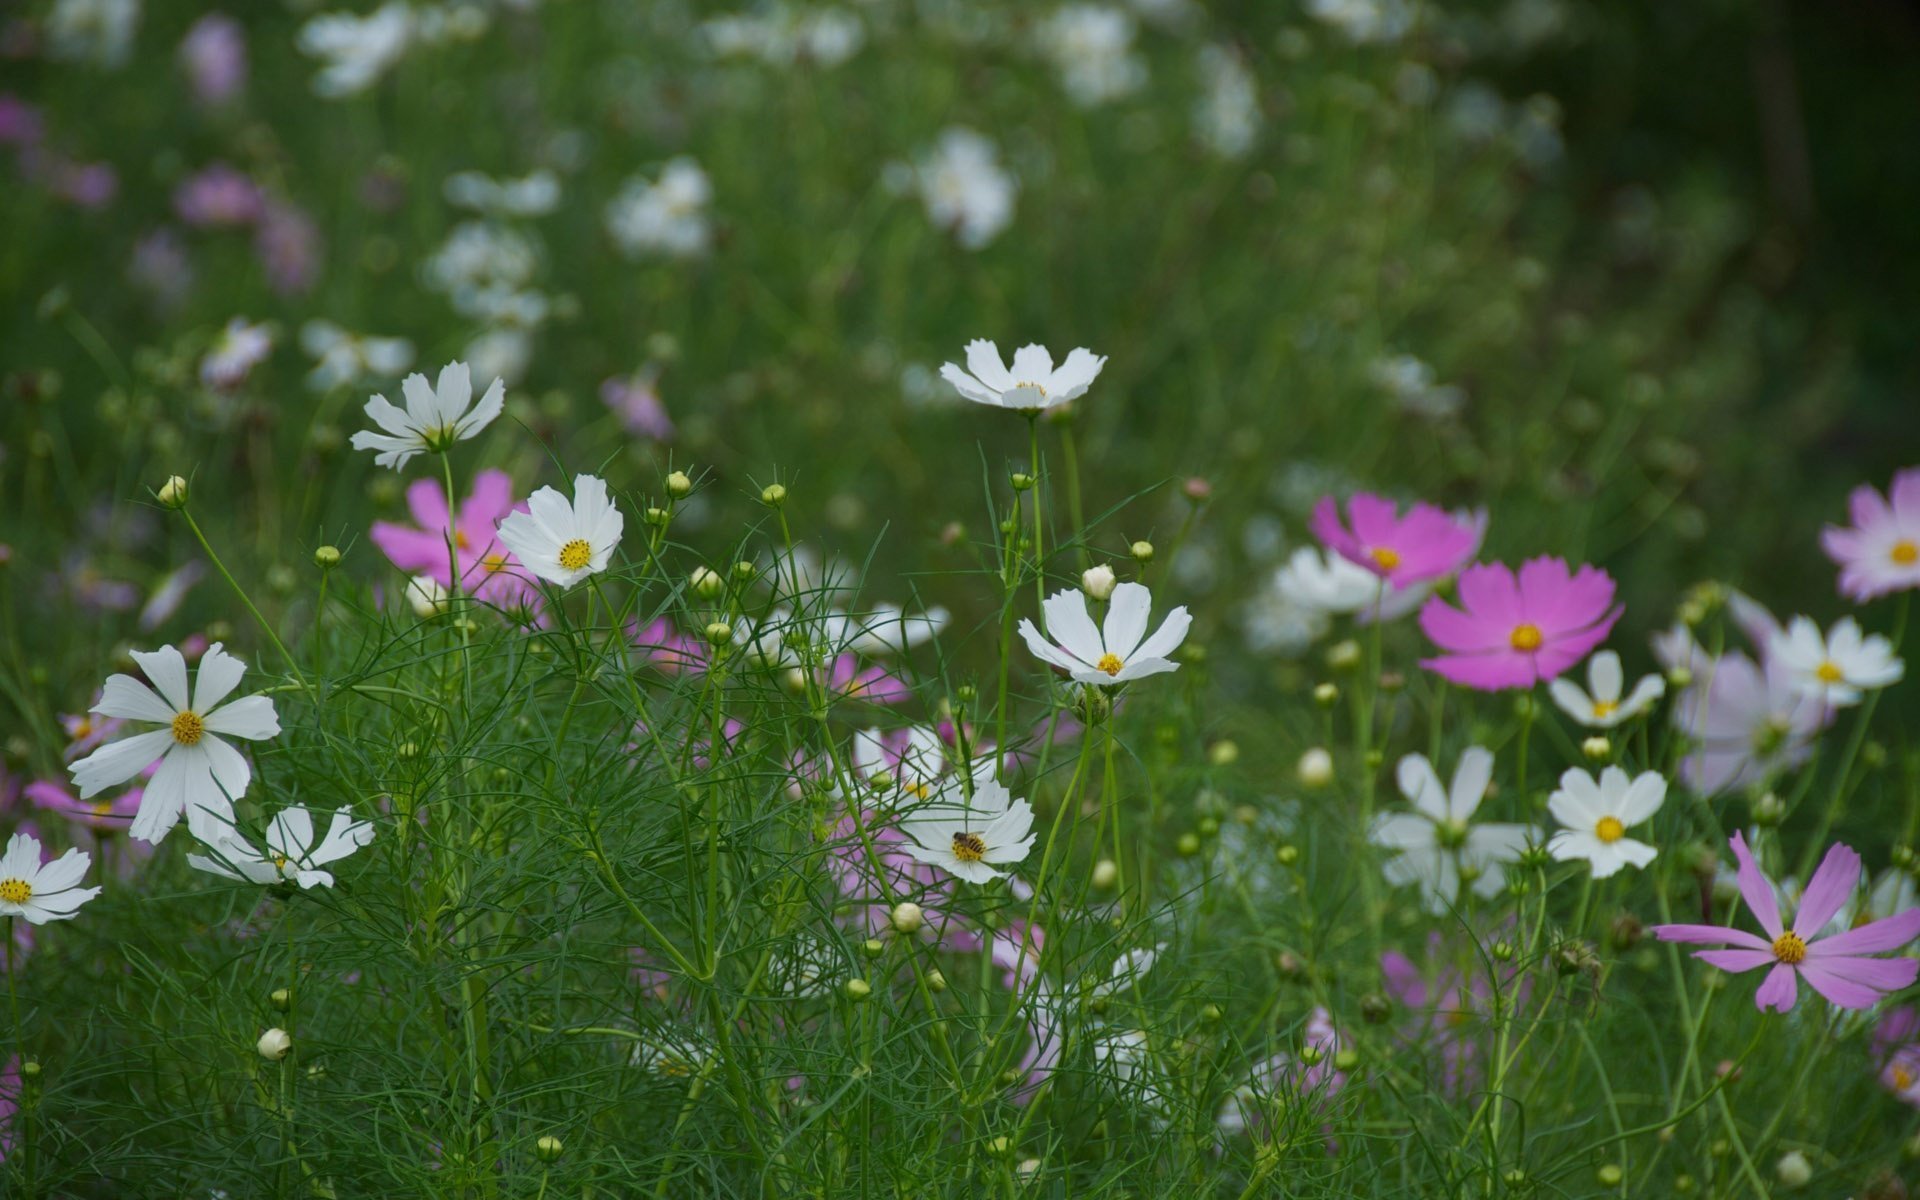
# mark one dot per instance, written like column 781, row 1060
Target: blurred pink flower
column 1516, row 631
column 1838, row 966
column 1880, row 551
column 636, row 401
column 1746, row 722
column 1426, row 543
column 214, row 56
column 218, row 197
column 488, row 571
column 20, row 123
column 287, row 244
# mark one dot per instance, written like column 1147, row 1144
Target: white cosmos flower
column 1031, row 384
column 1115, row 653
column 668, row 216
column 1328, row 582
column 343, row 358
column 1435, row 842
column 239, row 348
column 1836, row 668
column 356, row 51
column 884, row 629
column 1601, row 706
column 38, row 891
column 197, row 769
column 1597, row 813
column 291, row 854
column 564, row 543
column 1128, row 970
column 436, row 416
column 964, row 187
column 966, row 839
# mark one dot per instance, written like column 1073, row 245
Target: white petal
column 250, row 717
column 127, row 697
column 167, row 668
column 219, row 673
column 1605, row 676
column 1470, row 780
column 117, row 762
column 1127, row 613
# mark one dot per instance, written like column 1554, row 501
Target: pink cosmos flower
column 1836, row 966
column 220, row 196
column 636, row 401
column 214, row 56
column 1424, row 544
column 488, row 571
column 1516, row 631
column 1880, row 552
column 1450, row 1006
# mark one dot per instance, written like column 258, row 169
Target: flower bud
column 426, row 596
column 1092, row 705
column 936, row 982
column 744, row 572
column 1679, row 677
column 1286, row 855
column 274, row 1044
column 1022, row 482
column 1098, row 582
column 1106, row 873
column 1326, row 695
column 172, row 493
column 857, row 989
column 1608, row 1175
column 678, row 485
column 1196, row 489
column 1597, row 749
column 1346, row 1060
column 1142, row 551
column 1000, row 1147
column 873, row 947
column 657, row 517
column 1769, row 810
column 719, row 633
column 1375, row 1009
column 281, row 999
column 907, row 917
column 1344, row 655
column 1187, row 845
column 1223, row 753
column 773, row 495
column 1793, row 1170
column 706, row 584
column 1315, row 769
column 548, row 1149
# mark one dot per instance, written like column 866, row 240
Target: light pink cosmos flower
column 488, row 570
column 1746, row 721
column 220, row 196
column 1514, row 631
column 1880, row 551
column 635, row 399
column 1425, row 543
column 1837, row 966
column 214, row 57
column 1896, row 1048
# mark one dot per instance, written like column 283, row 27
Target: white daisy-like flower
column 343, row 358
column 1091, row 48
column 42, row 891
column 1130, row 968
column 436, row 416
column 964, row 187
column 235, row 353
column 1597, row 813
column 1111, row 654
column 967, row 839
column 1435, row 844
column 197, row 769
column 1031, row 384
column 356, row 51
column 564, row 543
column 1601, row 706
column 291, row 854
column 1839, row 667
column 1331, row 583
column 667, row 216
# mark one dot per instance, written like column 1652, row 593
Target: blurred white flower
column 41, row 892
column 1596, row 814
column 1091, row 47
column 356, row 51
column 1411, row 384
column 96, row 31
column 667, row 216
column 342, row 359
column 291, row 855
column 1837, row 668
column 239, row 348
column 437, row 415
column 1435, row 845
column 1602, row 707
column 504, row 353
column 477, row 257
column 1031, row 383
column 968, row 837
column 964, row 188
column 1226, row 116
column 563, row 542
column 1330, row 583
column 783, row 36
column 197, row 768
column 536, row 195
column 1364, row 20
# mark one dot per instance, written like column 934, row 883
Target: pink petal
column 1905, row 497
column 1325, row 523
column 1491, row 593
column 1867, row 508
column 1755, row 889
column 1484, row 672
column 1858, row 982
column 1375, row 520
column 1890, row 933
column 1778, row 992
column 1735, row 960
column 412, row 550
column 1709, row 934
column 1545, row 588
column 490, row 500
column 1563, row 651
column 1832, row 883
column 1461, row 632
column 427, row 501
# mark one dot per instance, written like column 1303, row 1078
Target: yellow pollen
column 15, row 891
column 1110, row 663
column 1526, row 638
column 1036, row 387
column 918, row 791
column 1902, row 1077
column 494, row 563
column 967, row 847
column 1790, row 948
column 1602, row 709
column 1609, row 829
column 1829, row 672
column 279, row 862
column 102, row 808
column 187, row 727
column 1384, row 557
column 576, row 554
column 1905, row 552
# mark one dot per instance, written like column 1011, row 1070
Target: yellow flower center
column 967, row 847
column 1384, row 557
column 1829, row 672
column 187, row 727
column 279, row 862
column 102, row 808
column 1609, row 829
column 1526, row 638
column 919, row 791
column 1602, row 709
column 15, row 891
column 1790, row 948
column 1110, row 663
column 576, row 554
column 1902, row 1077
column 1905, row 552
column 494, row 563
column 460, row 540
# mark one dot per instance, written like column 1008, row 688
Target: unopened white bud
column 1106, row 873
column 907, row 917
column 426, row 596
column 1098, row 581
column 1316, row 768
column 1793, row 1169
column 1597, row 748
column 274, row 1044
column 706, row 584
column 172, row 493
